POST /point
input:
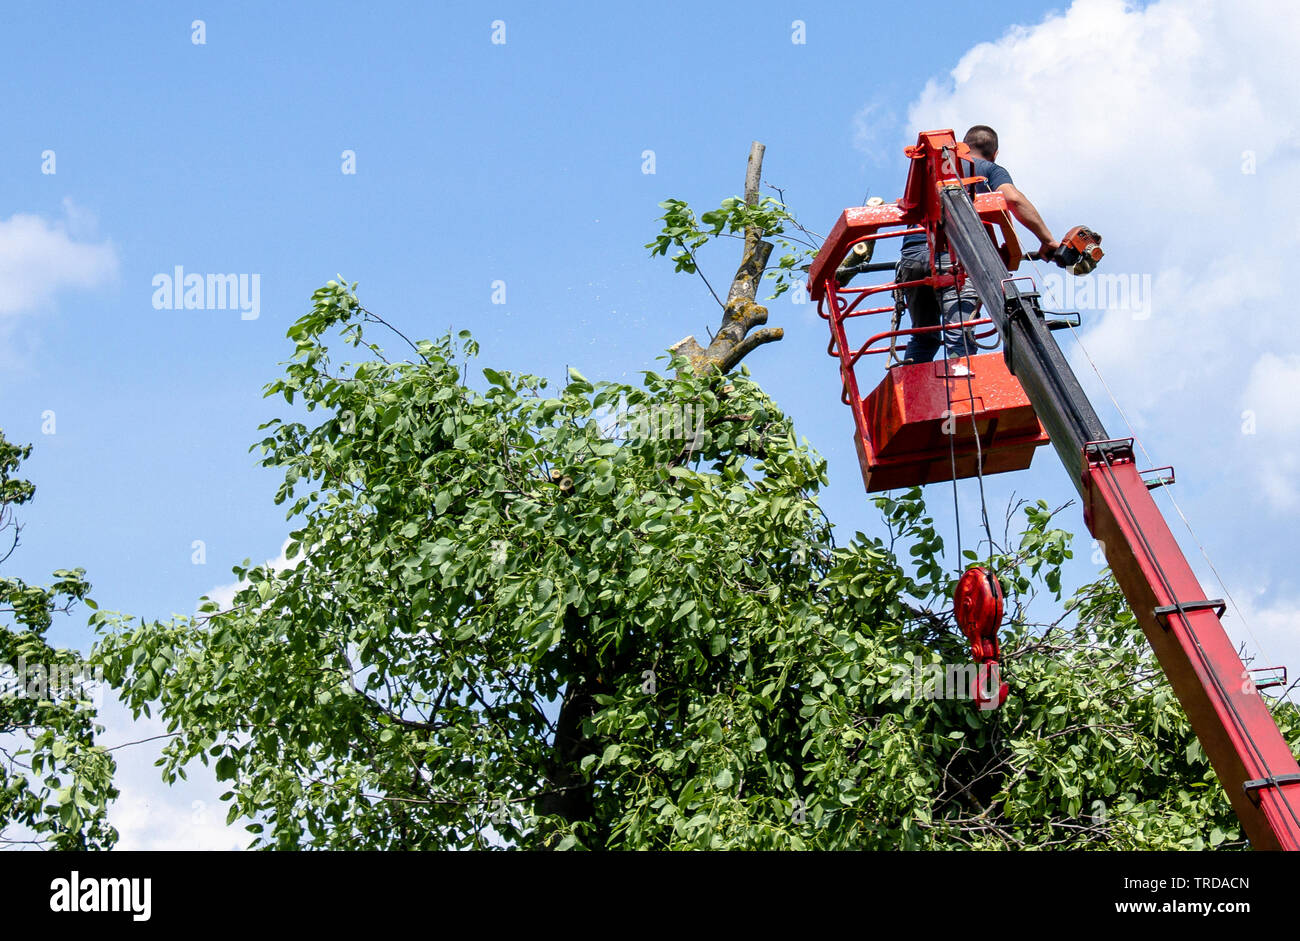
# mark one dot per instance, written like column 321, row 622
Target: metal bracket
column 1279, row 677
column 1186, row 607
column 1012, row 295
column 1110, row 450
column 1013, row 309
column 1159, row 481
column 1273, row 780
column 1064, row 323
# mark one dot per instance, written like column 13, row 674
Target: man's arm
column 1028, row 216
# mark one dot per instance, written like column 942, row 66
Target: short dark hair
column 983, row 140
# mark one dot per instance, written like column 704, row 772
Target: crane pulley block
column 978, row 607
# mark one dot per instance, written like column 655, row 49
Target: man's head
column 983, row 140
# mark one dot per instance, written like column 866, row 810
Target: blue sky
column 523, row 162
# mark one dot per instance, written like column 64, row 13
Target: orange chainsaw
column 1080, row 250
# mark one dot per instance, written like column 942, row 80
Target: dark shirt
column 995, row 176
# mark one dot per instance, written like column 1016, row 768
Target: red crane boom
column 902, row 440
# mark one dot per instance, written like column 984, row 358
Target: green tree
column 524, row 617
column 55, row 782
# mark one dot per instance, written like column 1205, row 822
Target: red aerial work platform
column 1004, row 409
column 916, row 427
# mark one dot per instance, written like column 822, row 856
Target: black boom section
column 1030, row 351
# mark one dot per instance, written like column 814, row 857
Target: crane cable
column 967, row 335
column 952, row 445
column 951, row 416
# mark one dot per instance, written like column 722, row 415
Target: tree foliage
column 684, row 231
column 55, row 781
column 608, row 615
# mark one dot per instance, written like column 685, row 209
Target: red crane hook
column 977, row 604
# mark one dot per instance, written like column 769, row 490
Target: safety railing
column 842, row 303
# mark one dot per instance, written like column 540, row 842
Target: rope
column 979, row 447
column 952, row 446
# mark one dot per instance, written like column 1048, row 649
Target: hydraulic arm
column 1234, row 726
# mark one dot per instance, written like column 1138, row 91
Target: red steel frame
column 1232, row 722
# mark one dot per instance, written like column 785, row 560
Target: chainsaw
column 1080, row 250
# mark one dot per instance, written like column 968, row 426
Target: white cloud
column 1270, row 630
column 1272, row 391
column 1113, row 108
column 874, row 127
column 1271, row 409
column 187, row 815
column 1135, row 121
column 39, row 258
column 162, row 822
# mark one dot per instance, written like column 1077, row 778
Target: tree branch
column 742, row 313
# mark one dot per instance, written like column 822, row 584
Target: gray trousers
column 925, row 304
